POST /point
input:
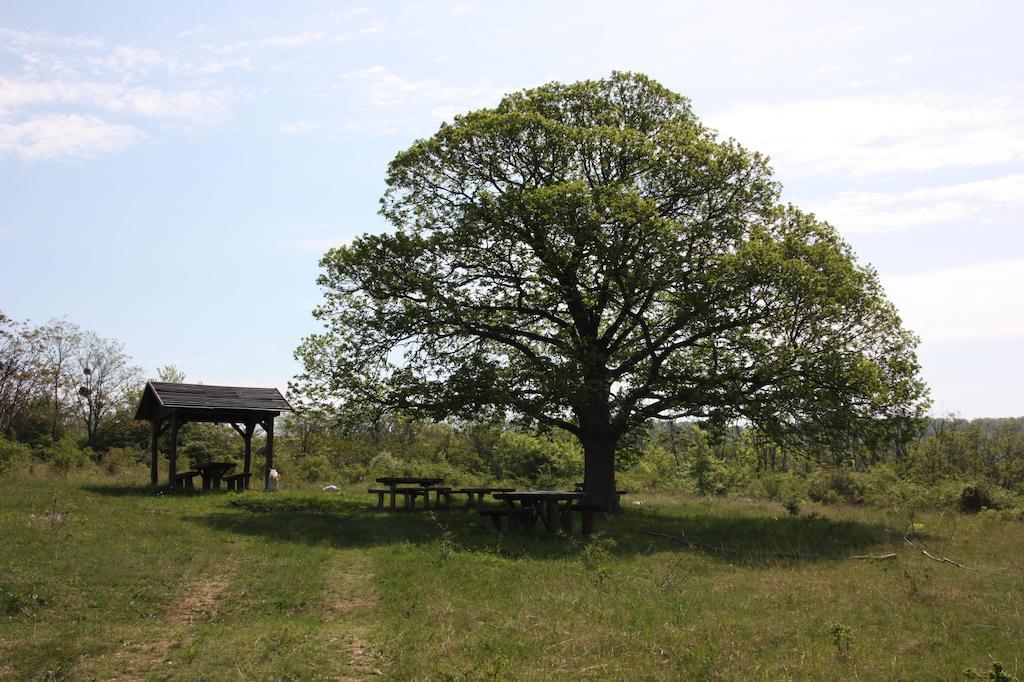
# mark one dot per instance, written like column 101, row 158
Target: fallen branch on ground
column 942, row 559
column 875, row 557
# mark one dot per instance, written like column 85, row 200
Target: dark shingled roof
column 200, row 398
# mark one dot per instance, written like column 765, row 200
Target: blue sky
column 170, row 173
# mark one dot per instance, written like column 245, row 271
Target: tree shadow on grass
column 755, row 539
column 731, row 536
column 116, row 490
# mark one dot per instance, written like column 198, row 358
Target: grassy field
column 133, row 583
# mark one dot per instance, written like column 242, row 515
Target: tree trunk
column 599, row 471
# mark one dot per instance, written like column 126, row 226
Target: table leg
column 588, row 521
column 554, row 519
column 393, row 491
column 566, row 515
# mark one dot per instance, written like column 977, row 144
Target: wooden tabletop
column 529, row 495
column 216, row 466
column 484, row 490
column 399, row 480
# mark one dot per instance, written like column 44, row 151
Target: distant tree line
column 943, row 457
column 57, row 379
column 68, row 398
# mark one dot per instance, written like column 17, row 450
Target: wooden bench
column 184, row 480
column 237, row 482
column 439, row 492
column 517, row 517
column 381, row 492
column 409, row 496
column 479, row 493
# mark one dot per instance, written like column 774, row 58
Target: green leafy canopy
column 589, row 256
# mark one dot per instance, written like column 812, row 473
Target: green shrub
column 13, row 455
column 1010, row 515
column 974, row 497
column 65, row 455
column 996, row 674
column 118, row 460
column 539, row 459
column 778, row 487
column 842, row 638
column 314, row 468
column 658, row 469
column 831, row 486
column 386, row 464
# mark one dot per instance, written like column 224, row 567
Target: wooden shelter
column 168, row 406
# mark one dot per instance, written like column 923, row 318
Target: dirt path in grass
column 195, row 601
column 349, row 601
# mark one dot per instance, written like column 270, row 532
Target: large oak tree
column 590, row 257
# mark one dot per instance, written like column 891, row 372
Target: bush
column 118, row 460
column 541, row 460
column 13, row 455
column 831, row 486
column 778, row 487
column 386, row 464
column 65, row 455
column 1011, row 515
column 314, row 468
column 658, row 469
column 975, row 497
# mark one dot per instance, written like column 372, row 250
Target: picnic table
column 213, row 472
column 421, row 486
column 547, row 505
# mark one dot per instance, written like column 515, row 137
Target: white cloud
column 962, row 303
column 380, row 89
column 77, row 97
column 65, row 136
column 298, row 127
column 879, row 134
column 998, row 200
column 214, row 66
column 129, row 58
column 19, row 41
column 295, row 40
column 375, row 27
column 196, row 106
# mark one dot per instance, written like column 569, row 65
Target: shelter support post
column 154, row 454
column 268, row 425
column 173, row 471
column 250, row 428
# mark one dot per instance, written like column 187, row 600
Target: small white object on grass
column 330, row 488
